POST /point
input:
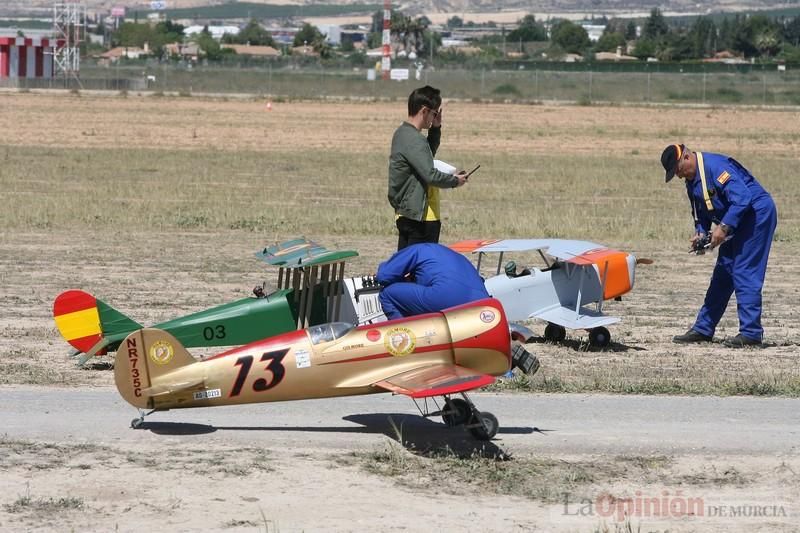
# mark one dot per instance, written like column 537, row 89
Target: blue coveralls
column 442, row 278
column 742, row 203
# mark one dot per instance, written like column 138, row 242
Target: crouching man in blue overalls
column 424, row 278
column 427, row 277
column 723, row 192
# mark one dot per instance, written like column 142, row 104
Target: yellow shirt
column 433, row 204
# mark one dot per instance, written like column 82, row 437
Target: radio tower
column 69, row 26
column 386, row 63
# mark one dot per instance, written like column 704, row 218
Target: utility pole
column 386, row 63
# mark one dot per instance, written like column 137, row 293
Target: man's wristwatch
column 724, row 227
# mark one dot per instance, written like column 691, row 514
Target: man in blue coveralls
column 723, row 192
column 427, row 277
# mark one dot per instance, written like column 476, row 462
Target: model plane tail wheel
column 599, row 337
column 555, row 333
column 456, row 412
column 484, row 425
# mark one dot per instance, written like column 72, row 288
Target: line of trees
column 756, row 36
column 676, row 39
column 748, row 35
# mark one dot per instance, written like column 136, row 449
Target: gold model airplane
column 432, row 355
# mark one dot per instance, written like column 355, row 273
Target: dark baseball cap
column 669, row 159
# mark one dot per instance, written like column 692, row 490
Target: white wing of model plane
column 563, row 249
column 563, row 316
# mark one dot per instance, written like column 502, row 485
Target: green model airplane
column 309, row 292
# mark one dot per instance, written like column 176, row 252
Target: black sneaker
column 523, row 359
column 691, row 336
column 740, row 341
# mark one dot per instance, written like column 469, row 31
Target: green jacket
column 411, row 171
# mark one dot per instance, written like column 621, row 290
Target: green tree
column 346, row 45
column 252, row 34
column 321, row 46
column 766, row 35
column 791, row 31
column 570, row 36
column 725, row 35
column 528, row 30
column 132, row 34
column 209, row 45
column 675, row 47
column 630, row 30
column 455, row 22
column 703, row 37
column 608, row 42
column 645, row 48
column 655, row 26
column 307, row 35
column 430, row 39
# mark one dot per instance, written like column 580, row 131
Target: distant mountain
column 459, row 7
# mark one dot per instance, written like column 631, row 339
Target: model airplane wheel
column 599, row 337
column 555, row 333
column 136, row 423
column 485, row 426
column 457, row 412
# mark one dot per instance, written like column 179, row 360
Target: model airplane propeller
column 426, row 356
column 576, row 274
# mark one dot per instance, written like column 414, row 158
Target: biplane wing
column 563, row 249
column 301, row 252
column 435, row 380
column 583, row 319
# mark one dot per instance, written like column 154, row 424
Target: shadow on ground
column 583, row 346
column 417, row 434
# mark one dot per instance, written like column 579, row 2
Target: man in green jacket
column 414, row 183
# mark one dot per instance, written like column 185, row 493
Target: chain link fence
column 583, row 84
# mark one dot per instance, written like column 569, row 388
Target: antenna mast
column 69, row 26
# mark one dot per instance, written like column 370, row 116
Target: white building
column 332, row 33
column 216, row 31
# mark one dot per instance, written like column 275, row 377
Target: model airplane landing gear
column 599, row 337
column 462, row 412
column 456, row 412
column 482, row 424
column 554, row 332
column 136, row 423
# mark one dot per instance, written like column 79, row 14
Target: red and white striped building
column 23, row 57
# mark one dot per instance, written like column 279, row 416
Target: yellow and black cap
column 669, row 159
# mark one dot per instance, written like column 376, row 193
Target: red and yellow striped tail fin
column 78, row 319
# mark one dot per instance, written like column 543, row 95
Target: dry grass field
column 157, row 205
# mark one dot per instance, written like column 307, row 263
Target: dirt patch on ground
column 235, row 125
column 220, row 487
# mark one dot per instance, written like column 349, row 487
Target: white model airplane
column 576, row 274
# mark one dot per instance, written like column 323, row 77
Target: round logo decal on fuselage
column 400, row 341
column 161, row 352
column 487, row 316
